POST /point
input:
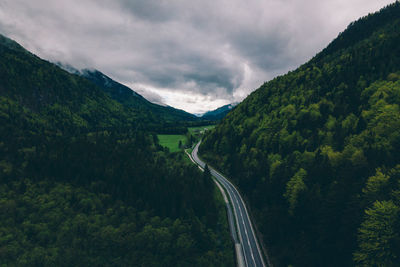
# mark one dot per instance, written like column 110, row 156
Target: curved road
column 252, row 256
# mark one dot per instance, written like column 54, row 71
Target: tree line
column 316, row 151
column 83, row 182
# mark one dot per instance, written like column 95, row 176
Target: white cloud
column 194, row 55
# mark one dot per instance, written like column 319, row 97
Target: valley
column 303, row 171
column 85, row 182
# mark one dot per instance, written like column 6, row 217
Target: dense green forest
column 167, row 120
column 316, row 152
column 84, row 183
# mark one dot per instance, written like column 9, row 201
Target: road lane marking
column 233, row 193
column 250, row 224
column 245, row 229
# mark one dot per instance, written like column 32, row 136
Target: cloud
column 148, row 93
column 204, row 53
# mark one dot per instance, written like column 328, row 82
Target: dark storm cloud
column 194, row 55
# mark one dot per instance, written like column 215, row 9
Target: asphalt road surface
column 251, row 252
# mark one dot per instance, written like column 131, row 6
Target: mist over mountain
column 92, row 173
column 218, row 113
column 129, row 97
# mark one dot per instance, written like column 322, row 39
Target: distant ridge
column 219, row 113
column 129, row 97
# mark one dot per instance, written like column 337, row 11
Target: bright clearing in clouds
column 192, row 55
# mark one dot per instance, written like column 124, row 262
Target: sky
column 193, row 55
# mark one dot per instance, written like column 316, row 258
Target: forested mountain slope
column 83, row 184
column 218, row 113
column 47, row 90
column 128, row 97
column 316, row 152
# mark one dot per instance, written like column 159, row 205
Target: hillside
column 130, row 98
column 316, row 151
column 218, row 113
column 45, row 89
column 83, row 182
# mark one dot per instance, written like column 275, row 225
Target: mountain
column 83, row 182
column 117, row 91
column 218, row 113
column 41, row 88
column 7, row 43
column 316, row 151
column 164, row 119
column 68, row 68
column 130, row 98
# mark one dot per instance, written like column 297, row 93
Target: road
column 247, row 241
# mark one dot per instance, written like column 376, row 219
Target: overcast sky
column 191, row 54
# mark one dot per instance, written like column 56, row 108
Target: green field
column 200, row 128
column 171, row 141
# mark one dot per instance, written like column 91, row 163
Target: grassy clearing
column 197, row 132
column 200, row 128
column 171, row 141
